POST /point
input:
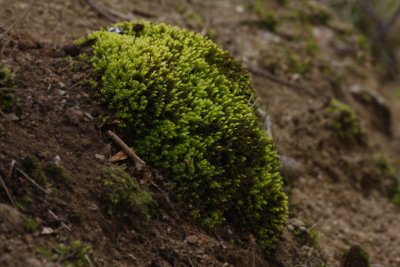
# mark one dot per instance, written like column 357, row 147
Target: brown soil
column 335, row 187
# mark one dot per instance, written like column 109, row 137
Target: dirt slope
column 301, row 58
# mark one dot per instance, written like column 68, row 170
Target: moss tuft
column 56, row 174
column 30, row 225
column 356, row 256
column 74, row 254
column 189, row 107
column 122, row 197
column 7, row 96
column 387, row 169
column 268, row 19
column 47, row 174
column 344, row 120
column 307, row 236
column 32, row 166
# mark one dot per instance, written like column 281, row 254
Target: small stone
column 47, row 231
column 12, row 117
column 99, row 157
column 33, row 262
column 57, row 160
column 192, row 240
column 73, row 116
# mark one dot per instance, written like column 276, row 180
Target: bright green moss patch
column 189, row 108
column 122, row 197
column 344, row 120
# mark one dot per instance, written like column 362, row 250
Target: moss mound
column 189, row 108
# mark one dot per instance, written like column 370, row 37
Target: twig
column 32, row 181
column 18, row 21
column 143, row 13
column 125, row 148
column 391, row 21
column 276, row 79
column 206, row 27
column 3, row 184
column 101, row 11
column 12, row 164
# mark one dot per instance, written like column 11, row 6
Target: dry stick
column 101, row 11
column 19, row 20
column 125, row 148
column 3, row 184
column 32, row 181
column 276, row 79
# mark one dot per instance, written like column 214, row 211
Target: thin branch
column 276, row 79
column 125, row 148
column 99, row 10
column 3, row 184
column 32, row 181
column 391, row 21
column 16, row 23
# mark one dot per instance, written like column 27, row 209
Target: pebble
column 192, row 240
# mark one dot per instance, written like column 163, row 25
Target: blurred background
column 379, row 21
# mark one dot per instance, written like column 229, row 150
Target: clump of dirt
column 340, row 195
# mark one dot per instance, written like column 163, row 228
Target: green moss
column 344, row 120
column 311, row 46
column 56, row 174
column 45, row 175
column 307, row 236
column 30, row 225
column 318, row 13
column 7, row 96
column 189, row 107
column 23, row 202
column 122, row 197
column 32, row 166
column 297, row 64
column 74, row 254
column 268, row 20
column 387, row 169
column 356, row 256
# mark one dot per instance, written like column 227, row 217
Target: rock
column 290, row 167
column 33, row 262
column 47, row 231
column 100, row 157
column 376, row 104
column 73, row 116
column 11, row 117
column 192, row 240
column 11, row 220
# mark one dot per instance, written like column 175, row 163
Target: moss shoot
column 189, row 107
column 7, row 96
column 344, row 120
column 122, row 197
